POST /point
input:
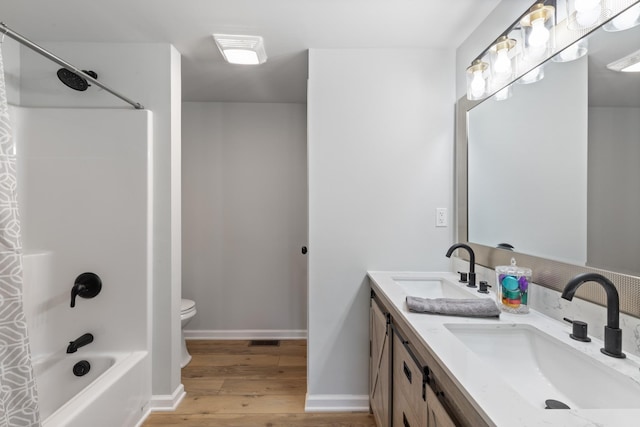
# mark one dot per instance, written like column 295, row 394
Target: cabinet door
column 437, row 415
column 379, row 368
column 408, row 406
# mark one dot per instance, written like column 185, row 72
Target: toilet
column 187, row 311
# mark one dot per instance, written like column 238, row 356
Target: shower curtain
column 18, row 394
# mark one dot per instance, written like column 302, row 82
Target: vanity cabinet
column 409, row 403
column 379, row 364
column 408, row 387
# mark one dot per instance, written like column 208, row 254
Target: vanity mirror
column 553, row 169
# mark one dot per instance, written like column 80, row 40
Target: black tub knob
column 87, row 285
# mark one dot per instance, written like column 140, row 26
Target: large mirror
column 554, row 170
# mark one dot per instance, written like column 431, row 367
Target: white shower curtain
column 18, row 394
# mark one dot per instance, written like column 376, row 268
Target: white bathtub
column 113, row 393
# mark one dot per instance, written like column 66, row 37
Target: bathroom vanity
column 441, row 371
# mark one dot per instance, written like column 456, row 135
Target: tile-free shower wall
column 83, row 194
column 148, row 73
column 245, row 219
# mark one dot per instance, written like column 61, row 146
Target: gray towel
column 473, row 307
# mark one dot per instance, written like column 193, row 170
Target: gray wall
column 380, row 163
column 245, row 219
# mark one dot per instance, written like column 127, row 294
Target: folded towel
column 474, row 307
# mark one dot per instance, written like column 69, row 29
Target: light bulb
column 477, row 84
column 587, row 12
column 627, row 19
column 539, row 33
column 502, row 64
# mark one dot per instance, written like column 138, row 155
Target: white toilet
column 187, row 311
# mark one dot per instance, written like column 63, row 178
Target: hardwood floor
column 232, row 384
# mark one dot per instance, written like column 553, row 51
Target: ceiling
column 289, row 28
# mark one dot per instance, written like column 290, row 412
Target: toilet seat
column 187, row 305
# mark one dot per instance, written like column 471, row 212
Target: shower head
column 73, row 80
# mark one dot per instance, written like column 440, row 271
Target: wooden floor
column 232, row 384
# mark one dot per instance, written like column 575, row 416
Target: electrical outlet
column 441, row 217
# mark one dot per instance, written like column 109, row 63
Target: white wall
column 245, row 218
column 148, row 74
column 527, row 165
column 83, row 201
column 380, row 125
column 614, row 152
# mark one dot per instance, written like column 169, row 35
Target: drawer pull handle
column 404, row 420
column 407, row 371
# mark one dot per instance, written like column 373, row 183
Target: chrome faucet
column 472, row 262
column 80, row 342
column 612, row 331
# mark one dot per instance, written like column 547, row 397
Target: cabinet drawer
column 407, row 382
column 437, row 415
column 403, row 414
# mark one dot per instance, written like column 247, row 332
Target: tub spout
column 80, row 342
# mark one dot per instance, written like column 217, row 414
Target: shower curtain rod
column 22, row 40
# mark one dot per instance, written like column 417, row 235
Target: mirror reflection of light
column 503, row 94
column 532, row 76
column 539, row 33
column 477, row 84
column 628, row 19
column 588, row 12
column 573, row 52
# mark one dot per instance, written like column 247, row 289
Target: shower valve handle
column 87, row 285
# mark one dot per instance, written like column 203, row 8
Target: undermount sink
column 541, row 367
column 432, row 288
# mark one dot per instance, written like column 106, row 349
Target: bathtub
column 113, row 392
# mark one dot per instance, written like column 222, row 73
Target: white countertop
column 490, row 393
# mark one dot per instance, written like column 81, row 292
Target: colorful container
column 513, row 287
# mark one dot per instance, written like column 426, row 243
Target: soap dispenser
column 513, row 287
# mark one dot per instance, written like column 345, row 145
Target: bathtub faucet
column 80, row 342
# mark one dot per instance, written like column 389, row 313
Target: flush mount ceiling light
column 628, row 64
column 241, row 49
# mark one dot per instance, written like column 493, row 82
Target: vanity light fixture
column 537, row 26
column 628, row 19
column 628, row 64
column 585, row 14
column 503, row 59
column 477, row 79
column 241, row 49
column 573, row 52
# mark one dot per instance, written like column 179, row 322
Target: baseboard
column 246, row 334
column 336, row 403
column 167, row 402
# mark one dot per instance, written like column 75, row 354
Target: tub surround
column 491, row 397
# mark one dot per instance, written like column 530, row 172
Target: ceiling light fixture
column 628, row 64
column 241, row 49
